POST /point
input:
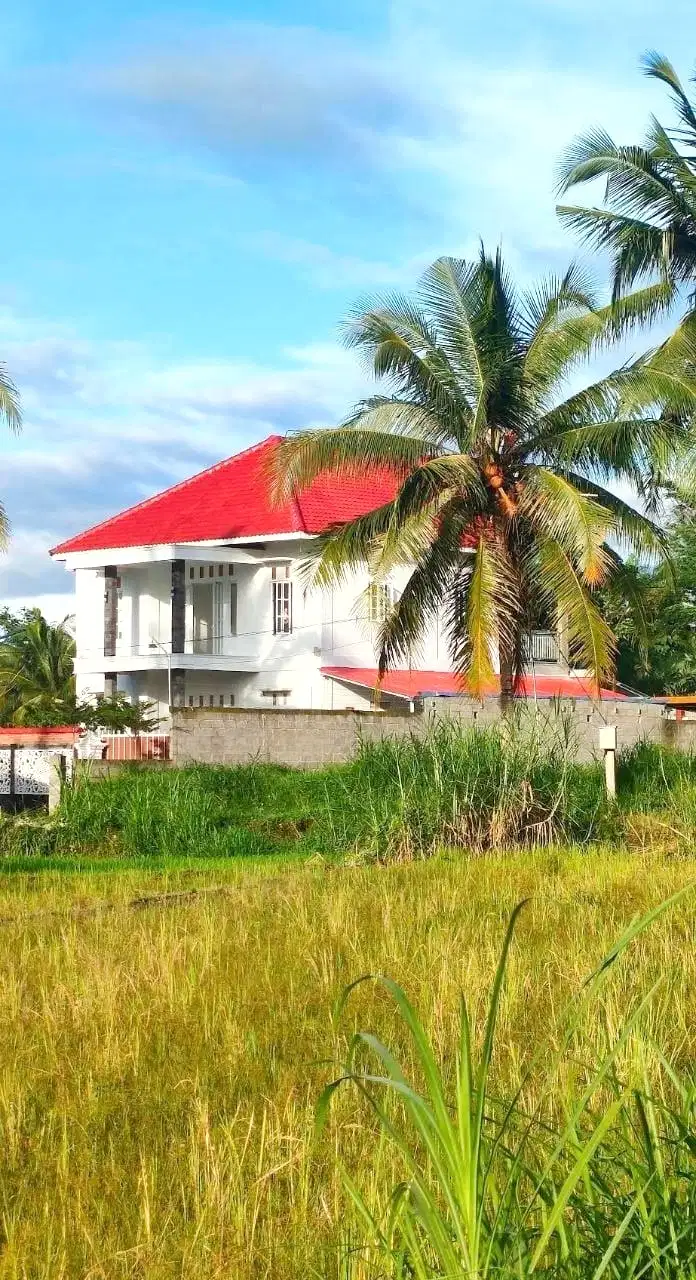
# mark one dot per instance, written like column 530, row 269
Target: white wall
column 330, row 628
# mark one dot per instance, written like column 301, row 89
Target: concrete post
column 607, row 743
column 55, row 781
column 178, row 606
column 110, row 610
column 178, row 683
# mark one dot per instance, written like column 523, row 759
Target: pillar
column 178, row 607
column 110, row 609
column 178, row 687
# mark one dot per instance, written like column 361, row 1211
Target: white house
column 193, row 598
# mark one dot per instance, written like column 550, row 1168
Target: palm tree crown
column 503, row 506
column 37, row 683
column 649, row 225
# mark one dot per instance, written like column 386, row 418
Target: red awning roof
column 231, row 500
column 415, row 684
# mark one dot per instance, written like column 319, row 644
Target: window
column 380, row 600
column 192, row 573
column 200, row 700
column 282, row 607
column 279, row 697
column 233, row 608
column 221, row 570
column 190, row 699
column 211, row 700
column 230, row 569
column 222, row 699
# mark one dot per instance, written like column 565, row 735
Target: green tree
column 652, row 611
column 649, row 223
column 12, row 414
column 37, row 685
column 493, row 449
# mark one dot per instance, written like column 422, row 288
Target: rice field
column 178, row 954
column 167, row 1033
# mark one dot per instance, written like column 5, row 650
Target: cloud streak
column 107, row 425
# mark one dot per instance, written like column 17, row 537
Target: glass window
column 200, row 700
column 211, row 700
column 282, row 607
column 233, row 608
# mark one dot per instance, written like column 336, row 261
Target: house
column 195, row 598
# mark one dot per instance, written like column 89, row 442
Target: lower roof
column 419, row 684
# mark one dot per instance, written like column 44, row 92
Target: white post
column 607, row 744
column 55, row 781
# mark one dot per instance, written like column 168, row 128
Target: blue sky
column 194, row 196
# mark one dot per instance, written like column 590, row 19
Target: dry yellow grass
column 159, row 1066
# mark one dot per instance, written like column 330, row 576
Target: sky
column 194, row 197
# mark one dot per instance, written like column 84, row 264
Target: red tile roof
column 231, row 500
column 414, row 684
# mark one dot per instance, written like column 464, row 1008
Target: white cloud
column 109, row 424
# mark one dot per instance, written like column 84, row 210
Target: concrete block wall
column 307, row 739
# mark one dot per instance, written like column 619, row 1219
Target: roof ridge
column 172, row 488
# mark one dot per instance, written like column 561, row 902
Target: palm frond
column 432, row 583
column 576, row 520
column 479, row 609
column 560, row 585
column 4, row 529
column 396, row 416
column 341, row 451
column 632, row 528
column 657, row 67
column 10, row 408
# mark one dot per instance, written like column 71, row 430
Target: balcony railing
column 543, row 646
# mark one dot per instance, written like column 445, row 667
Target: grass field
column 173, row 950
column 160, row 1059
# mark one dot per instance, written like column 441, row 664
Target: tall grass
column 599, row 1183
column 516, row 784
column 452, row 787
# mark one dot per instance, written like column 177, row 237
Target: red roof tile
column 414, row 684
column 231, row 500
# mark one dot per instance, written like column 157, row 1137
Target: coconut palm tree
column 11, row 412
column 37, row 684
column 649, row 222
column 505, row 501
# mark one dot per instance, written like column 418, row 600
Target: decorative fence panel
column 25, row 774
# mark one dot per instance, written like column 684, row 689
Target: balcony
column 542, row 646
